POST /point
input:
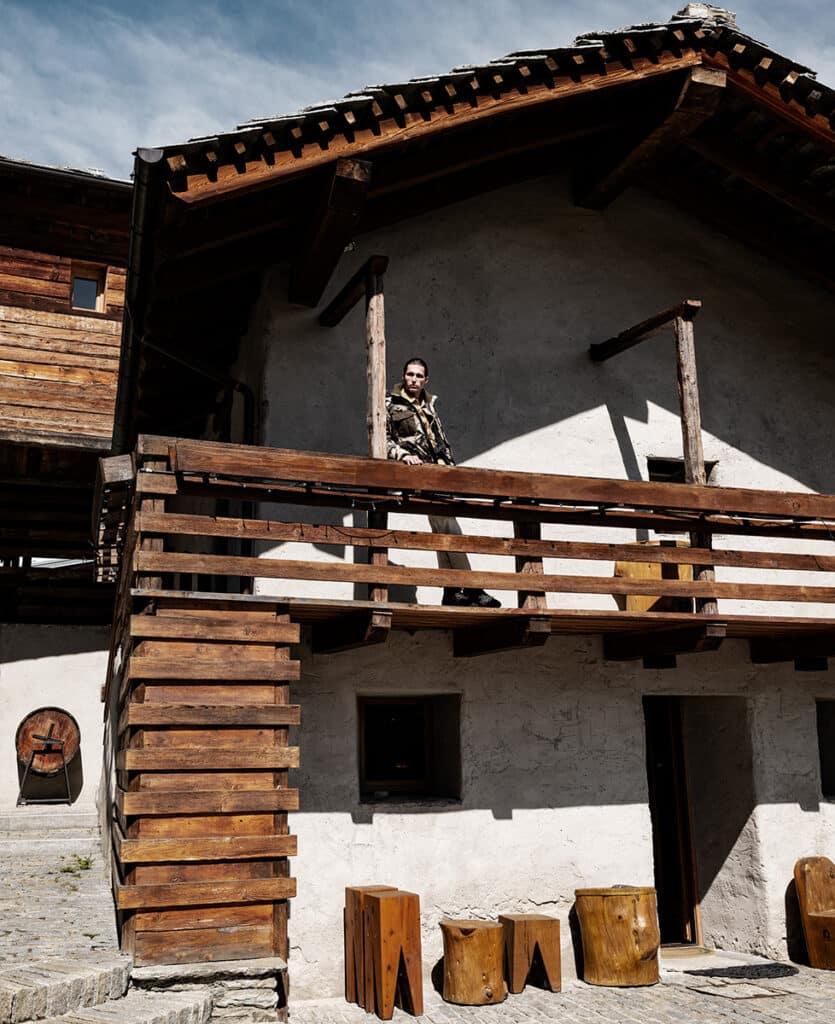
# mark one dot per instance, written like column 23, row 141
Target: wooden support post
column 375, row 348
column 691, row 435
column 526, row 529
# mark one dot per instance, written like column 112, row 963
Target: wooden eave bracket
column 697, row 102
column 354, row 290
column 350, row 631
column 502, row 635
column 332, row 227
column 687, row 309
column 664, row 643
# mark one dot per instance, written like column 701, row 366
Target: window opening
column 826, row 746
column 88, row 287
column 671, row 471
column 410, row 747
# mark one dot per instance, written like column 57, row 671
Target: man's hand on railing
column 413, row 460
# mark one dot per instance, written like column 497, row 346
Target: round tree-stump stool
column 619, row 928
column 473, row 962
column 46, row 757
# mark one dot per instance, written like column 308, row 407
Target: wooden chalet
column 63, row 255
column 271, row 577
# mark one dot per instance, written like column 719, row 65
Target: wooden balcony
column 198, row 688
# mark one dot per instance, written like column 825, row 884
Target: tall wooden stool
column 619, row 927
column 473, row 962
column 814, row 878
column 525, row 935
column 393, row 975
column 355, row 940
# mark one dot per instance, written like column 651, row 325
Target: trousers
column 449, row 559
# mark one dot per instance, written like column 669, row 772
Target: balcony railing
column 563, row 549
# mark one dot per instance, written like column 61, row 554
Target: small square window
column 671, row 471
column 88, row 287
column 826, row 746
column 410, row 747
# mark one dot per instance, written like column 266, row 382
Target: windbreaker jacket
column 406, row 432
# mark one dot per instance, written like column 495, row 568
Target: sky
column 84, row 83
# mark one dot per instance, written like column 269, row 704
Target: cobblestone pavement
column 54, row 895
column 732, row 992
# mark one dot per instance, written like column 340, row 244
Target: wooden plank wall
column 58, row 367
column 200, row 834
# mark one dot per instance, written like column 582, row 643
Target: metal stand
column 49, row 743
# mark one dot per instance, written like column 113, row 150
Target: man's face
column 414, row 379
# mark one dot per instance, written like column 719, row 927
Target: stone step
column 139, row 1007
column 48, row 988
column 44, row 818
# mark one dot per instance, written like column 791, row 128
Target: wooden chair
column 393, row 975
column 814, row 878
column 473, row 962
column 525, row 936
column 355, row 939
column 619, row 928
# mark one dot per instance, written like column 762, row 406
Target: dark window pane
column 395, row 742
column 85, row 292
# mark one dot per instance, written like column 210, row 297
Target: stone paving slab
column 760, row 993
column 55, row 898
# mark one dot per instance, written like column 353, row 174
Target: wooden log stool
column 619, row 928
column 473, row 962
column 814, row 879
column 393, row 975
column 355, row 939
column 527, row 938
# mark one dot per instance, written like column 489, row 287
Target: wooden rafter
column 698, row 100
column 350, row 631
column 664, row 642
column 332, row 228
column 469, row 641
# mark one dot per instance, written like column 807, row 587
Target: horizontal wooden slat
column 33, row 370
column 191, row 628
column 75, row 321
column 249, row 801
column 317, row 467
column 190, row 894
column 203, row 945
column 208, row 759
column 218, row 714
column 157, row 851
column 337, row 535
column 277, row 568
column 228, row 916
column 206, row 668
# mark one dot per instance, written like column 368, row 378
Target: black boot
column 457, row 597
column 481, row 599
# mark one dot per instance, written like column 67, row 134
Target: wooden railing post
column 691, row 435
column 375, row 349
column 526, row 529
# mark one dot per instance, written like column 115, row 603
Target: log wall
column 58, row 366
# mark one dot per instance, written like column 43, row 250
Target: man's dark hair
column 422, row 362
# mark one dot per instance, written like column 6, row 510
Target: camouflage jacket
column 407, row 433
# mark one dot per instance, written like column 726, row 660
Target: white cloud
column 84, row 85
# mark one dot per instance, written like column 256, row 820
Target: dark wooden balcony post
column 691, row 435
column 375, row 351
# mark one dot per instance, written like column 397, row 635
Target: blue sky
column 84, row 83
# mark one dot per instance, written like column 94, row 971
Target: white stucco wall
column 54, row 666
column 503, row 294
column 554, row 790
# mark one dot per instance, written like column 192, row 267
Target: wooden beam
column 698, row 100
column 601, row 351
column 352, row 292
column 736, row 160
column 333, row 227
column 663, row 643
column 770, row 650
column 375, row 362
column 504, row 635
column 350, row 631
column 691, row 435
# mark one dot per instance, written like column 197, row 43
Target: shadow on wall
column 508, row 360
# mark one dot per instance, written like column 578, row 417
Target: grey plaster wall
column 555, row 790
column 52, row 666
column 502, row 295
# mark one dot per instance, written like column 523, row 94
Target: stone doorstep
column 144, row 1008
column 55, row 986
column 214, row 970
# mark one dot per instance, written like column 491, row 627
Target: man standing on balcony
column 415, row 435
